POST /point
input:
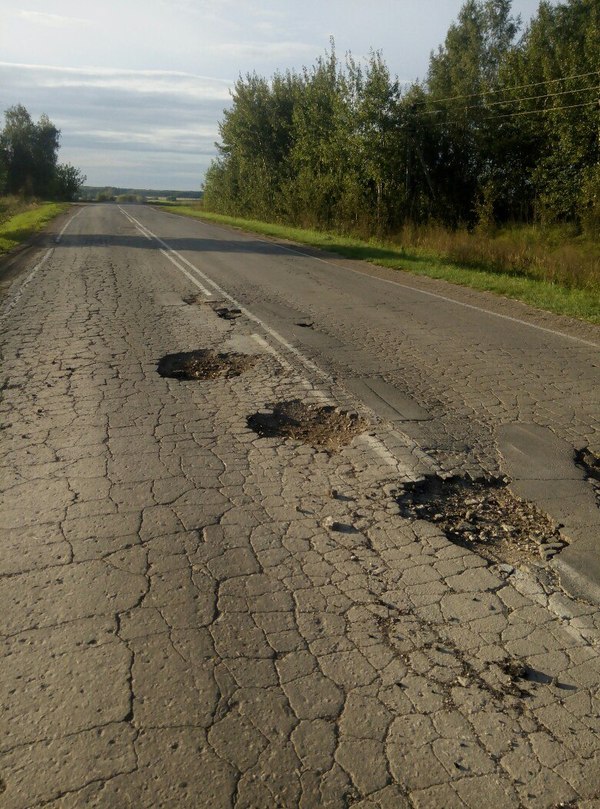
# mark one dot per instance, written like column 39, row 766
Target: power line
column 545, row 109
column 515, row 100
column 508, row 89
column 525, row 112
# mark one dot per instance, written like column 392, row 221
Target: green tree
column 462, row 77
column 67, row 181
column 30, row 151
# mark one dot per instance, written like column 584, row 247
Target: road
column 195, row 615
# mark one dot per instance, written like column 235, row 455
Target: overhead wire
column 508, row 89
column 516, row 100
column 520, row 113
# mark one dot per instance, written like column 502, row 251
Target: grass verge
column 19, row 221
column 555, row 297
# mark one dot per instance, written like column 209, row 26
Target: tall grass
column 555, row 255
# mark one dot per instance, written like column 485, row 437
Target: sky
column 137, row 87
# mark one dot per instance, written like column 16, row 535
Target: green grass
column 19, row 220
column 437, row 261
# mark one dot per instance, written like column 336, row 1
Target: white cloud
column 125, row 127
column 51, row 20
column 266, row 51
column 134, row 81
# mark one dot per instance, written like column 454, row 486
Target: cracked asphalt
column 197, row 616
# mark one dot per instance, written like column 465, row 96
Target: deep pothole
column 485, row 516
column 204, row 364
column 320, row 426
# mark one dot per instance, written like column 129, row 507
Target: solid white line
column 60, row 235
column 186, row 273
column 250, row 315
column 143, row 233
column 378, row 447
column 12, row 302
column 381, row 450
column 269, row 348
column 16, row 297
column 436, row 295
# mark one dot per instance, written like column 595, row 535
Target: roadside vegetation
column 519, row 263
column 486, row 173
column 20, row 220
column 34, row 186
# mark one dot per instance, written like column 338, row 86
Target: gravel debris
column 204, row 364
column 485, row 516
column 321, row 426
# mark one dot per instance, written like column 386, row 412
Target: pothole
column 219, row 307
column 485, row 516
column 194, row 299
column 321, row 426
column 590, row 463
column 204, row 364
column 225, row 312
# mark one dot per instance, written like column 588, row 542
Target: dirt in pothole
column 484, row 516
column 204, row 364
column 590, row 463
column 219, row 307
column 320, row 426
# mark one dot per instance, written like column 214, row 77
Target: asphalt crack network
column 251, row 616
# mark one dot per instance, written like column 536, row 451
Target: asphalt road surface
column 196, row 615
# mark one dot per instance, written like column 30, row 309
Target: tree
column 502, row 129
column 67, row 181
column 29, row 158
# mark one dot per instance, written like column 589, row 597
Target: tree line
column 29, row 158
column 504, row 128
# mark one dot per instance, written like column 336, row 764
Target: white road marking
column 187, row 274
column 430, row 294
column 12, row 302
column 250, row 315
column 379, row 448
column 17, row 296
column 269, row 348
column 60, row 235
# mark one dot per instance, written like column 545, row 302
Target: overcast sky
column 138, row 86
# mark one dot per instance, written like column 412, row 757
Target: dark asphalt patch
column 590, row 463
column 484, row 516
column 219, row 307
column 320, row 426
column 204, row 364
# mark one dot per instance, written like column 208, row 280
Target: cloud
column 125, row 127
column 51, row 20
column 137, row 81
column 265, row 51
